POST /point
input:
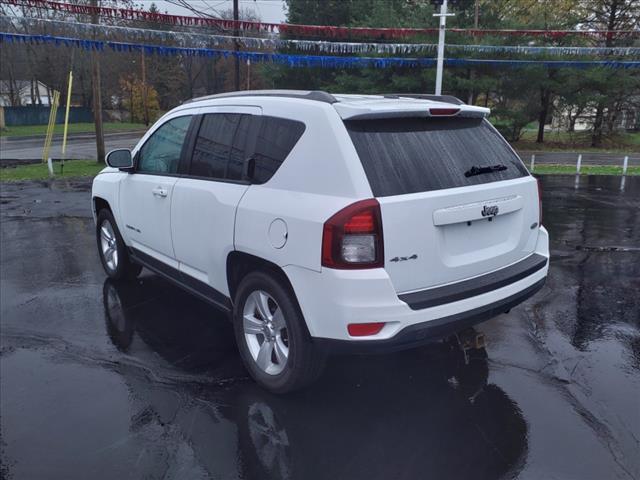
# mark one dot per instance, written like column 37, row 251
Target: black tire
column 123, row 267
column 305, row 360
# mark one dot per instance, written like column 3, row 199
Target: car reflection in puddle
column 421, row 413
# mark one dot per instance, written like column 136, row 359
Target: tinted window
column 407, row 155
column 276, row 139
column 239, row 148
column 213, row 145
column 161, row 152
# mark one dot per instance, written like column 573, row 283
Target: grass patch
column 584, row 170
column 109, row 127
column 90, row 168
column 578, row 141
column 72, row 168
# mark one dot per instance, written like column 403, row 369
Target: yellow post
column 52, row 123
column 66, row 116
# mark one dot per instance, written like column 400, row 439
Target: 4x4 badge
column 404, row 259
column 490, row 211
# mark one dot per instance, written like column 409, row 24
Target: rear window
column 408, row 155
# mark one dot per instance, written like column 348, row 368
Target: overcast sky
column 271, row 11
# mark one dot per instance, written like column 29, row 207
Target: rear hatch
column 446, row 216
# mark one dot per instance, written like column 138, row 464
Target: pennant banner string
column 299, row 30
column 202, row 40
column 321, row 61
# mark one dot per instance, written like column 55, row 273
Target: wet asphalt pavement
column 102, row 380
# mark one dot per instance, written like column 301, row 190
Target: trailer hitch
column 468, row 340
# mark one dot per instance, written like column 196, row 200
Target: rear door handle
column 159, row 192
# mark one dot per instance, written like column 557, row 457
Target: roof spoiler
column 408, row 110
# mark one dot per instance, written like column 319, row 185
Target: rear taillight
column 539, row 202
column 352, row 238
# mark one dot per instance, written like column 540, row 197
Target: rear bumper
column 431, row 331
column 332, row 299
column 475, row 286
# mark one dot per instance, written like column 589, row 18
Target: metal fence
column 39, row 115
column 579, row 160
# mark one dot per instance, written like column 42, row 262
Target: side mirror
column 120, row 158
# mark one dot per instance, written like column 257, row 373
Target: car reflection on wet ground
column 107, row 380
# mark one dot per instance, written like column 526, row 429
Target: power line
column 327, row 31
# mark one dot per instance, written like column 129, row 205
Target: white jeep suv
column 325, row 223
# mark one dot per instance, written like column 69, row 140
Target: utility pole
column 476, row 16
column 97, row 92
column 248, row 74
column 236, row 46
column 443, row 24
column 145, row 107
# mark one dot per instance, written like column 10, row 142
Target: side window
column 213, row 145
column 276, row 139
column 161, row 152
column 241, row 145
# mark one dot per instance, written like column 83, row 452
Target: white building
column 627, row 117
column 23, row 92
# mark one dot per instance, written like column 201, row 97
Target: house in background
column 574, row 118
column 17, row 93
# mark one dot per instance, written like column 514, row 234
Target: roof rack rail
column 426, row 96
column 316, row 95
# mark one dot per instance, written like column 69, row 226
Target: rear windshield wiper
column 479, row 169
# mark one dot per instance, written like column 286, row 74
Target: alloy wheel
column 108, row 245
column 265, row 332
